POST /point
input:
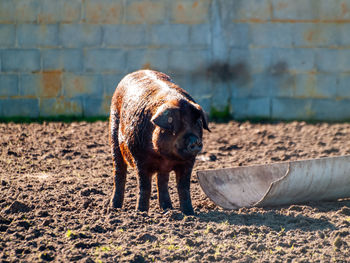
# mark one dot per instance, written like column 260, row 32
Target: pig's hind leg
column 119, row 167
column 163, row 193
column 119, row 179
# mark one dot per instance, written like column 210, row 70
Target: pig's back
column 145, row 90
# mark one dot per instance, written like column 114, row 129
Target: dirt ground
column 56, row 181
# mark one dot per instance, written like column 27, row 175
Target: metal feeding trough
column 278, row 183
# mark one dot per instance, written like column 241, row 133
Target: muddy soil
column 56, row 181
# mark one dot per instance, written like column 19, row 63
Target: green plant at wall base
column 70, row 234
column 66, row 119
column 220, row 115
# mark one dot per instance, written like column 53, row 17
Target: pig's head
column 179, row 129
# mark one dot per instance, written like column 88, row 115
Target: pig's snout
column 194, row 144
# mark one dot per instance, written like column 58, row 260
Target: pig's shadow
column 271, row 218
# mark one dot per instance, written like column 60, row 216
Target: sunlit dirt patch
column 56, row 181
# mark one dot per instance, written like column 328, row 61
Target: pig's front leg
column 163, row 192
column 145, row 187
column 183, row 179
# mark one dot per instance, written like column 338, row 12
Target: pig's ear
column 205, row 121
column 204, row 116
column 167, row 118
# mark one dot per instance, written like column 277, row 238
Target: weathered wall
column 264, row 58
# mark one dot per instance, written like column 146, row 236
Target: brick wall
column 263, row 58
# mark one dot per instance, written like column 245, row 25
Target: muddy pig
column 155, row 127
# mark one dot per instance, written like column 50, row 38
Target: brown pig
column 155, row 127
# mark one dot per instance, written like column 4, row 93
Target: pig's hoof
column 142, row 208
column 115, row 204
column 166, row 207
column 188, row 212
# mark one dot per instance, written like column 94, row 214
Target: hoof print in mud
column 18, row 207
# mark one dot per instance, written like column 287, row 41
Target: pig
column 155, row 127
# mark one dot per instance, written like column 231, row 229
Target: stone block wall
column 274, row 59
